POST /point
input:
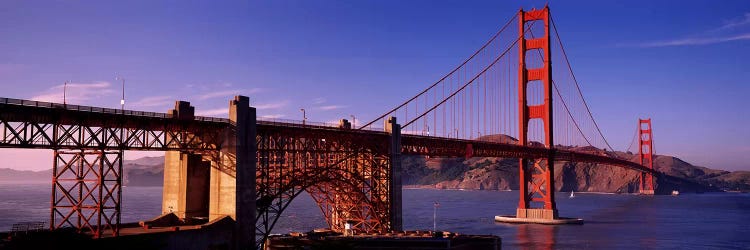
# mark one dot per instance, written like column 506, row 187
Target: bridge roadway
column 31, row 124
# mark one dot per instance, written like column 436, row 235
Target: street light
column 354, row 121
column 304, row 116
column 65, row 90
column 434, row 216
column 122, row 101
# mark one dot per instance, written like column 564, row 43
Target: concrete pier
column 395, row 188
column 245, row 150
column 218, row 184
column 537, row 216
column 185, row 192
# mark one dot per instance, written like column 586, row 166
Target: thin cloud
column 272, row 116
column 331, row 107
column 696, row 41
column 154, row 101
column 737, row 22
column 319, row 100
column 227, row 93
column 223, row 93
column 274, row 105
column 213, row 112
column 721, row 34
column 77, row 93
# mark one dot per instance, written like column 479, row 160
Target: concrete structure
column 396, row 184
column 185, row 192
column 537, row 219
column 220, row 183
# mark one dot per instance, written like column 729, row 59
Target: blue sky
column 684, row 64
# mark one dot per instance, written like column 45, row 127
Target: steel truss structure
column 451, row 147
column 88, row 144
column 347, row 172
column 87, row 191
column 45, row 125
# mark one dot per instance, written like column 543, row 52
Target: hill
column 12, row 175
column 492, row 173
column 146, row 171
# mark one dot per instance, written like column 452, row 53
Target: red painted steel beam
column 450, row 147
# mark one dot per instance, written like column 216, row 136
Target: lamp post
column 65, row 90
column 354, row 121
column 122, row 101
column 434, row 216
column 304, row 116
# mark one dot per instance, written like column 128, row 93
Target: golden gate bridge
column 248, row 170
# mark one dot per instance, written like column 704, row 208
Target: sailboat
column 572, row 195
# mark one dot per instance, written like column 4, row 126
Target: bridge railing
column 83, row 108
column 300, row 123
column 72, row 107
column 296, row 123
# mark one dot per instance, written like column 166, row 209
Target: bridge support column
column 536, row 201
column 86, row 191
column 217, row 184
column 233, row 174
column 645, row 153
column 185, row 191
column 186, row 188
column 395, row 187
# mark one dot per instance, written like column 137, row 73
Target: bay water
column 611, row 221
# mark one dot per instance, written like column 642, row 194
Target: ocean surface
column 687, row 221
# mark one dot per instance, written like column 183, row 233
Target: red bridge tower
column 646, row 154
column 536, row 203
column 540, row 178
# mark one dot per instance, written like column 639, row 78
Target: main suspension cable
column 470, row 81
column 570, row 68
column 444, row 77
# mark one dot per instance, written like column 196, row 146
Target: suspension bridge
column 245, row 171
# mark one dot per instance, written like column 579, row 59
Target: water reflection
column 533, row 236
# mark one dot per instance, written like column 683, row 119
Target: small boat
column 572, row 195
column 675, row 193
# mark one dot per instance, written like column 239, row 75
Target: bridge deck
column 34, row 124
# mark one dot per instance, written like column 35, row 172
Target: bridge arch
column 347, row 172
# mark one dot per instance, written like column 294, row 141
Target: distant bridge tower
column 646, row 154
column 540, row 177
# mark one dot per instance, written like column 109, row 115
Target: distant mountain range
column 492, row 173
column 146, row 171
column 12, row 175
